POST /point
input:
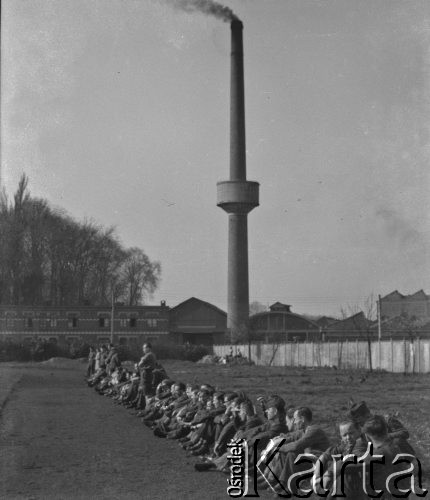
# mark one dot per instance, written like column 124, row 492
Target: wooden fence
column 391, row 355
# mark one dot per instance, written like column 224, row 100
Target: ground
column 61, row 440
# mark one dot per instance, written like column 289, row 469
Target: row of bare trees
column 47, row 257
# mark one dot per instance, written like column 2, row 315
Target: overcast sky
column 118, row 111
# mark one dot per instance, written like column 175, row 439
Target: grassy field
column 326, row 392
column 43, row 405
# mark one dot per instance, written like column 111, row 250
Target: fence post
column 379, row 354
column 367, row 356
column 357, row 364
column 312, row 362
column 404, row 354
column 346, row 353
column 392, row 355
column 305, row 345
column 419, row 355
column 285, row 354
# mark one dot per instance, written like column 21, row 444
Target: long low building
column 92, row 323
column 193, row 321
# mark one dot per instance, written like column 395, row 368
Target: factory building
column 193, row 321
column 279, row 324
column 416, row 305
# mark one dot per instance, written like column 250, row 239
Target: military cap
column 359, row 410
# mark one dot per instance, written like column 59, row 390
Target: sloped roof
column 278, row 306
column 288, row 314
column 325, row 321
column 198, row 301
column 420, row 295
column 393, row 296
column 356, row 322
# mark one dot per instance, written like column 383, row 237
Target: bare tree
column 362, row 316
column 139, row 275
column 47, row 256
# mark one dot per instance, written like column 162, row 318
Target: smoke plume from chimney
column 208, row 7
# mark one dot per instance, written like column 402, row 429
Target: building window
column 152, row 314
column 152, row 323
column 47, row 322
column 52, row 322
column 72, row 322
column 133, row 322
column 123, row 322
column 10, row 321
column 123, row 341
column 29, row 322
column 103, row 322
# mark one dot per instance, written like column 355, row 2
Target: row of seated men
column 131, row 388
column 206, row 422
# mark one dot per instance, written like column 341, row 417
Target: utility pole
column 379, row 316
column 112, row 312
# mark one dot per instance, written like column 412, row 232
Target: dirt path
column 61, row 440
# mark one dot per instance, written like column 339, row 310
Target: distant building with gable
column 395, row 304
column 279, row 324
column 354, row 327
column 195, row 321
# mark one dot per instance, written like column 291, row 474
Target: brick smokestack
column 237, row 197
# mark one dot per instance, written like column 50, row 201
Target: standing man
column 91, row 362
column 146, row 366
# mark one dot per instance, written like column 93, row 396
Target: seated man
column 351, row 443
column 197, row 425
column 244, row 420
column 376, row 430
column 224, row 423
column 179, row 400
column 308, row 438
column 359, row 412
column 159, row 405
column 215, row 407
column 274, row 410
column 117, row 378
column 182, row 427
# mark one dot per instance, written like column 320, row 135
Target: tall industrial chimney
column 237, row 196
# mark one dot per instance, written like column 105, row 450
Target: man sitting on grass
column 376, row 430
column 244, row 420
column 360, row 413
column 308, row 438
column 351, row 443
